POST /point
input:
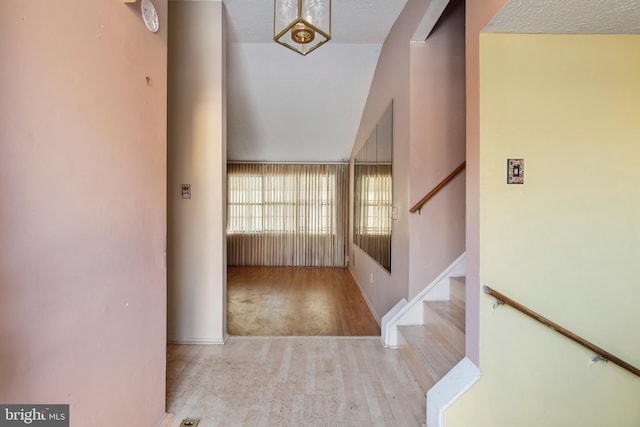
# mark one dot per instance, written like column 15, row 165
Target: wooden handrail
column 603, row 354
column 425, row 199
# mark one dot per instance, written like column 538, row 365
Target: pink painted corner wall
column 437, row 235
column 390, row 82
column 478, row 15
column 83, row 217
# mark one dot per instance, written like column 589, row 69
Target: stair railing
column 601, row 354
column 437, row 188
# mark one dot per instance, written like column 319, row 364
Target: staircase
column 429, row 332
column 432, row 349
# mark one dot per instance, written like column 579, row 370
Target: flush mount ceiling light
column 302, row 25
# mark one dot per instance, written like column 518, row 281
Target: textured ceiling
column 568, row 17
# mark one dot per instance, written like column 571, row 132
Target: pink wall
column 82, row 224
column 479, row 13
column 390, row 82
column 437, row 235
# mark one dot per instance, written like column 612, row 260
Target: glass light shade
column 302, row 25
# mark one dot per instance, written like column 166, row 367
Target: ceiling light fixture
column 302, row 25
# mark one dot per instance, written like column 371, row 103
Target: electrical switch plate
column 185, row 191
column 515, row 171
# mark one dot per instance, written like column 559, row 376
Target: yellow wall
column 567, row 242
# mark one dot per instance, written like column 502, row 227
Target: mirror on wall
column 372, row 206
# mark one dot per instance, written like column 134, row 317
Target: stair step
column 457, row 288
column 435, row 346
column 415, row 362
column 433, row 349
column 453, row 312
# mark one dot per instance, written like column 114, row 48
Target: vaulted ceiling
column 286, row 107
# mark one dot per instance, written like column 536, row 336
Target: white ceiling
column 286, row 107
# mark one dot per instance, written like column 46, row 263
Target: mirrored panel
column 373, row 199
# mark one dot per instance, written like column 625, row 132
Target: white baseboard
column 167, row 419
column 200, row 341
column 366, row 299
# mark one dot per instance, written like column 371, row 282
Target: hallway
column 296, row 301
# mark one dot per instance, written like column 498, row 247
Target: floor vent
column 189, row 422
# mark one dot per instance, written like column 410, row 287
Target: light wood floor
column 296, row 301
column 285, row 381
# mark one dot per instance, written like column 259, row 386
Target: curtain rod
column 237, row 162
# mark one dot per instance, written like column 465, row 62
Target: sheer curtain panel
column 287, row 214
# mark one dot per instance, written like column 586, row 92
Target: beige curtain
column 287, row 214
column 372, row 211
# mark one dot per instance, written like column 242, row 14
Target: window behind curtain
column 375, row 206
column 372, row 215
column 287, row 214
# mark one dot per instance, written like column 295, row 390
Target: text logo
column 34, row 415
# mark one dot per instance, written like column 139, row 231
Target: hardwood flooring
column 296, row 301
column 286, row 381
